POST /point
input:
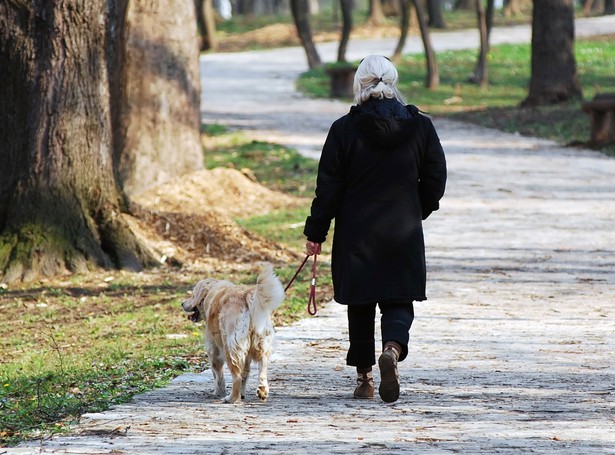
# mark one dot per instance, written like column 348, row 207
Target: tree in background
column 434, row 11
column 485, row 23
column 206, row 24
column 404, row 25
column 346, row 7
column 432, row 79
column 88, row 88
column 301, row 17
column 554, row 76
column 376, row 13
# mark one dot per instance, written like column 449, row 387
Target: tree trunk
column 433, row 77
column 481, row 76
column 206, row 24
column 161, row 106
column 299, row 9
column 464, row 4
column 434, row 11
column 376, row 13
column 554, row 76
column 404, row 25
column 346, row 6
column 512, row 7
column 66, row 93
column 609, row 7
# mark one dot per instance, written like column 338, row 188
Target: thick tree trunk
column 70, row 110
column 554, row 76
column 346, row 6
column 434, row 11
column 376, row 13
column 609, row 7
column 160, row 113
column 433, row 76
column 299, row 9
column 60, row 205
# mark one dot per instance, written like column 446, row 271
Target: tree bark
column 554, row 76
column 376, row 13
column 609, row 7
column 481, row 73
column 206, row 24
column 160, row 113
column 299, row 9
column 346, row 7
column 464, row 4
column 65, row 92
column 433, row 76
column 404, row 26
column 434, row 11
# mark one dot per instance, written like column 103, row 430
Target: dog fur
column 238, row 328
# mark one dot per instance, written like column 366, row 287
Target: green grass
column 498, row 105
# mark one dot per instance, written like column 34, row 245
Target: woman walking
column 382, row 171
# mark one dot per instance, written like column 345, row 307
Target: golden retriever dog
column 238, row 328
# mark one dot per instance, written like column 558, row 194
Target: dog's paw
column 262, row 393
column 229, row 399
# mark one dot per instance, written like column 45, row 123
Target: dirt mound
column 190, row 219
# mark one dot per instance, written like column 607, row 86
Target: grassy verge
column 83, row 343
column 498, row 105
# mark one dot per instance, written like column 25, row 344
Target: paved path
column 511, row 354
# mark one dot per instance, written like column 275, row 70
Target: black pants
column 395, row 326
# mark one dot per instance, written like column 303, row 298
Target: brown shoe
column 365, row 386
column 389, row 376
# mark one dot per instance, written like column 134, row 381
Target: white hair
column 376, row 77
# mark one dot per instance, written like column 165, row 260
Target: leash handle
column 312, row 300
column 311, row 307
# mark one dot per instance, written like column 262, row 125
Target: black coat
column 382, row 171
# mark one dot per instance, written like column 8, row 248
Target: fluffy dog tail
column 269, row 295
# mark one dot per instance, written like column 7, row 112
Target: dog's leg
column 244, row 375
column 217, row 363
column 235, row 363
column 263, row 385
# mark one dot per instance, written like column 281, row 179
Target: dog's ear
column 200, row 291
column 198, row 294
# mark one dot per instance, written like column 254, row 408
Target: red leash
column 312, row 300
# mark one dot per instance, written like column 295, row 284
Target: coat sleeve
column 329, row 189
column 432, row 175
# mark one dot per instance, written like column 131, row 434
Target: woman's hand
column 312, row 248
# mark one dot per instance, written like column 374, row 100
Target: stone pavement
column 512, row 353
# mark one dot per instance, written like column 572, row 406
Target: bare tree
column 404, row 27
column 65, row 90
column 433, row 76
column 554, row 76
column 300, row 12
column 346, row 7
column 206, row 24
column 434, row 11
column 485, row 21
column 376, row 13
column 464, row 4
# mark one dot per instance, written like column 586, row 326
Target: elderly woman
column 382, row 171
